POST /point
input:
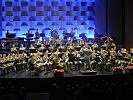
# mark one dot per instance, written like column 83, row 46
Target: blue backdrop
column 18, row 16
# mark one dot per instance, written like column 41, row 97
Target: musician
column 104, row 46
column 51, row 48
column 43, row 35
column 131, row 62
column 64, row 32
column 8, row 57
column 86, row 47
column 103, row 53
column 94, row 55
column 53, row 42
column 57, row 52
column 17, row 57
column 70, row 48
column 13, row 49
column 46, row 57
column 77, row 62
column 31, row 63
column 22, row 61
column 65, row 59
column 58, row 42
column 22, row 48
column 37, row 43
column 103, row 59
column 37, row 63
column 38, row 53
column 90, row 43
column 31, row 46
column 72, row 32
column 56, row 61
column 70, row 40
column 131, row 51
column 0, row 56
column 86, row 53
column 47, row 41
column 41, row 48
column 123, row 51
column 27, row 34
column 46, row 61
column 61, row 47
column 127, row 55
column 81, row 42
column 23, row 56
column 7, row 33
column 95, row 45
column 108, row 39
column 4, row 57
column 112, row 52
column 37, row 35
column 112, row 45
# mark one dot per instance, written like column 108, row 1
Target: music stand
column 78, row 48
column 68, row 44
column 62, row 50
column 38, row 46
column 127, row 59
column 97, row 59
column 49, row 54
column 82, row 45
column 131, row 54
column 71, row 50
column 57, row 45
column 104, row 48
column 47, row 45
column 44, row 50
column 42, row 35
column 90, row 44
column 120, row 58
column 60, row 55
column 109, row 47
column 86, row 52
column 12, row 35
column 97, row 49
column 21, row 51
column 78, row 59
column 71, row 57
column 32, row 50
column 30, row 35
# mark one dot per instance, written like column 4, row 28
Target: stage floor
column 26, row 74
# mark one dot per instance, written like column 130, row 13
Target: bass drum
column 54, row 34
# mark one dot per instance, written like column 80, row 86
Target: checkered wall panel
column 54, row 14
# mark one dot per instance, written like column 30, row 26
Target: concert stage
column 27, row 74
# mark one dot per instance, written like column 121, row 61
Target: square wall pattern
column 19, row 16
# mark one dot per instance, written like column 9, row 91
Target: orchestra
column 72, row 55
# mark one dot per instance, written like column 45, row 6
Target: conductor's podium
column 87, row 72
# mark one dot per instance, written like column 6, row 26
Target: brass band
column 69, row 56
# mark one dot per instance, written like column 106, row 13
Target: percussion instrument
column 54, row 34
